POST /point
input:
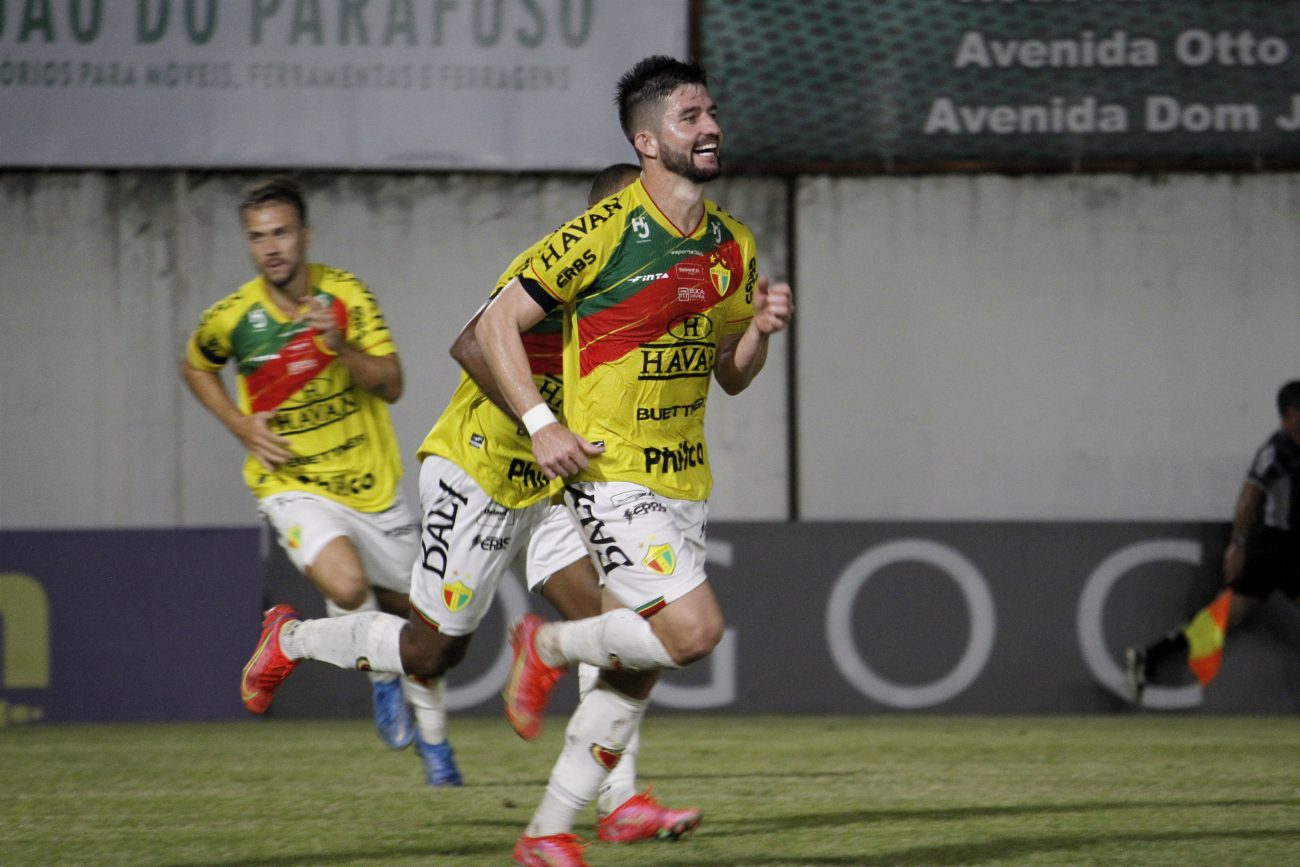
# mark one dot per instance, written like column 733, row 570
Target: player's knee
column 349, row 597
column 429, row 665
column 432, row 659
column 343, row 587
column 696, row 644
column 631, row 639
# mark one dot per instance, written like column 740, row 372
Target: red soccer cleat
column 555, row 850
column 528, row 689
column 269, row 666
column 641, row 817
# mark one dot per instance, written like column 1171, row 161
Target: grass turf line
column 876, row 791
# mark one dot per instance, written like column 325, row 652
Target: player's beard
column 285, row 280
column 683, row 163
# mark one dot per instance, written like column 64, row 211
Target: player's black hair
column 1288, row 396
column 652, row 81
column 610, row 180
column 276, row 189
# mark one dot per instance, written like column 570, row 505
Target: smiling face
column 688, row 139
column 277, row 243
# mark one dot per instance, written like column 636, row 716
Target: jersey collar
column 648, row 203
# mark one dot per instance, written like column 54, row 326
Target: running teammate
column 316, row 368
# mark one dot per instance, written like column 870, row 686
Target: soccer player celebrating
column 316, row 368
column 660, row 292
column 486, row 505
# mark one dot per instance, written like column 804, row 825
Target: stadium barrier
column 935, row 617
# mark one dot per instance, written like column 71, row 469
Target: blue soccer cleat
column 392, row 715
column 439, row 763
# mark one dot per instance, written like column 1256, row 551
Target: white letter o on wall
column 1092, row 607
column 839, row 623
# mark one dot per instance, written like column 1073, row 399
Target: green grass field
column 1140, row 790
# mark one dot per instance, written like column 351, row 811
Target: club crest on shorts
column 605, row 757
column 294, row 537
column 456, row 595
column 661, row 559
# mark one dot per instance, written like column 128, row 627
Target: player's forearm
column 468, row 353
column 505, row 363
column 1245, row 516
column 380, row 375
column 738, row 365
column 211, row 392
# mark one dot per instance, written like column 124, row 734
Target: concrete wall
column 1042, row 348
column 1063, row 348
column 104, row 276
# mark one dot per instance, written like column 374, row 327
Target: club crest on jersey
column 605, row 757
column 661, row 559
column 720, row 274
column 456, row 595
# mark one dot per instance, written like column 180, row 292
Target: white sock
column 621, row 782
column 371, row 603
column 428, row 699
column 597, row 734
column 587, row 677
column 366, row 640
column 621, row 636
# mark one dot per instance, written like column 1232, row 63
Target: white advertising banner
column 327, row 84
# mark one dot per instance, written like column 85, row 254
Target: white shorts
column 304, row 523
column 554, row 544
column 467, row 540
column 648, row 549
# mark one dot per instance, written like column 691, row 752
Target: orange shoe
column 555, row 850
column 269, row 666
column 528, row 689
column 641, row 817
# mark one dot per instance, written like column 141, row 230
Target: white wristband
column 537, row 418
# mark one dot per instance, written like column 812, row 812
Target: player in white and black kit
column 1262, row 556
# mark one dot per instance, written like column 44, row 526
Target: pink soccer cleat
column 269, row 666
column 555, row 850
column 641, row 817
column 528, row 689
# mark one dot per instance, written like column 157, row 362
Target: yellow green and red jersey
column 645, row 305
column 341, row 434
column 477, row 436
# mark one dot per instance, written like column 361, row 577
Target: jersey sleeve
column 570, row 258
column 738, row 310
column 518, row 267
column 1264, row 469
column 209, row 346
column 367, row 329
